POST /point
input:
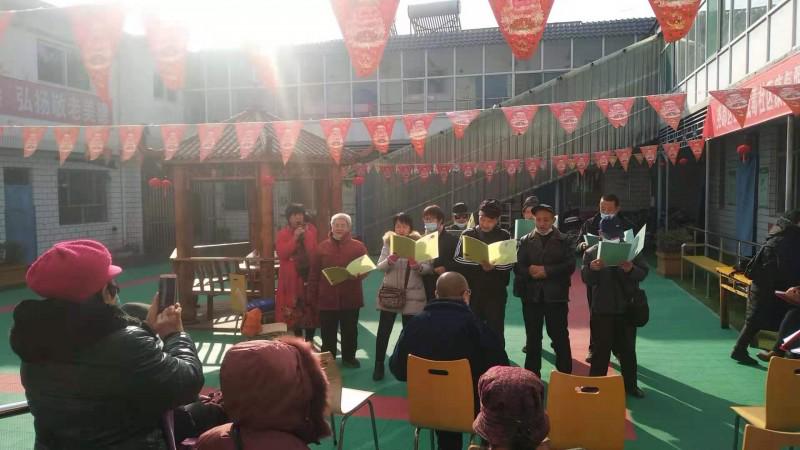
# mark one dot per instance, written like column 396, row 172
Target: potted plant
column 668, row 250
column 12, row 267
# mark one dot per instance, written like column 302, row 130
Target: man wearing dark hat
column 528, row 205
column 460, row 217
column 612, row 289
column 489, row 282
column 545, row 263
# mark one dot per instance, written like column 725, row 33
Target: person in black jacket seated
column 96, row 378
column 433, row 220
column 545, row 263
column 776, row 267
column 491, row 281
column 447, row 330
column 612, row 290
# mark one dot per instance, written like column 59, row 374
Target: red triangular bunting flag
column 522, row 23
column 386, row 170
column 737, row 101
column 247, row 134
column 365, row 29
column 675, row 17
column 532, row 166
column 697, row 146
column 560, row 163
column 789, row 93
column 380, row 130
column 168, row 44
column 601, row 159
column 265, row 69
column 424, row 171
column 443, row 169
column 96, row 141
column 568, row 114
column 616, row 110
column 287, row 131
column 129, row 137
column 208, row 135
column 624, row 155
column 66, row 138
column 468, row 169
column 581, row 162
column 512, row 166
column 520, row 117
column 97, row 30
column 335, row 131
column 30, row 140
column 461, row 120
column 360, row 169
column 404, row 170
column 172, row 135
column 639, row 157
column 5, row 19
column 672, row 149
column 669, row 107
column 650, row 153
column 489, row 168
column 417, row 127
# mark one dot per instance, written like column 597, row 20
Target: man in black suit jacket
column 433, row 219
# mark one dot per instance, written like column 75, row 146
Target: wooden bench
column 730, row 281
column 705, row 263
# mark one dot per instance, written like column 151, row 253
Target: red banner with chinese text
column 669, row 107
column 365, row 26
column 97, row 30
column 672, row 149
column 247, row 134
column 522, row 23
column 380, row 130
column 66, row 138
column 129, row 137
column 96, row 140
column 287, row 131
column 172, row 135
column 737, row 101
column 461, row 120
column 676, row 17
column 697, row 146
column 417, row 127
column 168, row 44
column 31, row 136
column 789, row 93
column 520, row 118
column 209, row 134
column 616, row 110
column 335, row 131
column 568, row 114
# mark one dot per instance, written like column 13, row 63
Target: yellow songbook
column 425, row 248
column 358, row 266
column 496, row 254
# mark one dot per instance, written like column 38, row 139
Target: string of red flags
column 669, row 107
column 461, row 120
column 129, row 137
column 789, row 94
column 616, row 110
column 365, row 29
column 172, row 135
column 335, row 131
column 519, row 118
column 247, row 134
column 568, row 114
column 380, row 131
column 676, row 17
column 288, row 132
column 209, row 134
column 417, row 126
column 522, row 23
column 697, row 146
column 737, row 101
column 98, row 30
column 168, row 42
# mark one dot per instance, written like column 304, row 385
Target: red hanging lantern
column 267, row 180
column 683, row 161
column 744, row 152
column 358, row 180
column 154, row 183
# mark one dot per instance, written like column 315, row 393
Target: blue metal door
column 21, row 218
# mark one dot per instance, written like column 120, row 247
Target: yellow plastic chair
column 762, row 439
column 586, row 411
column 344, row 401
column 782, row 409
column 440, row 396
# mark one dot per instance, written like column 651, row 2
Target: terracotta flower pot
column 669, row 264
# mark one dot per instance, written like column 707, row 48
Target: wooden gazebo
column 320, row 181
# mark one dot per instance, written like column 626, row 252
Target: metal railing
column 725, row 249
column 14, row 409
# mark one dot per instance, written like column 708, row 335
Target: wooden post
column 252, row 214
column 265, row 233
column 184, row 231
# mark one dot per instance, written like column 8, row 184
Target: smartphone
column 167, row 290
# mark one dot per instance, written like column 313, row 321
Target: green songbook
column 614, row 253
column 425, row 248
column 591, row 239
column 496, row 254
column 358, row 266
column 522, row 227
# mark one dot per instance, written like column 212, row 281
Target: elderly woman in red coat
column 295, row 244
column 338, row 305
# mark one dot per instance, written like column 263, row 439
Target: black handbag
column 638, row 311
column 394, row 298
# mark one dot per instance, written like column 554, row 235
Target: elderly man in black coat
column 545, row 263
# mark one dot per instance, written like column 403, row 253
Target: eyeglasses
column 461, row 216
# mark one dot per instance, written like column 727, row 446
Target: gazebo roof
column 309, row 147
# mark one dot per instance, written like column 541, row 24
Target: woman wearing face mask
column 433, row 218
column 399, row 273
column 545, row 263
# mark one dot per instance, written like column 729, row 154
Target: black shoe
column 377, row 374
column 588, row 359
column 743, row 358
column 635, row 392
column 351, row 363
column 525, row 349
column 766, row 356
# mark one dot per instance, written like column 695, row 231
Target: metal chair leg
column 341, row 430
column 416, row 438
column 333, row 428
column 736, row 433
column 374, row 428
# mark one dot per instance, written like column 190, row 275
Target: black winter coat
column 96, row 378
column 447, row 250
column 612, row 288
column 490, row 285
column 777, row 265
column 558, row 260
column 592, row 226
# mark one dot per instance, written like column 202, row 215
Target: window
column 390, row 65
column 757, row 9
column 780, row 28
column 250, row 99
column 286, row 103
column 700, row 35
column 311, row 102
column 217, row 71
column 469, row 92
column 61, row 66
column 525, row 81
column 76, row 72
column 235, row 196
column 195, row 72
column 195, row 106
column 337, row 66
column 532, row 63
column 338, row 100
column 498, row 58
column 586, row 51
column 391, row 97
column 680, row 59
column 440, row 94
column 242, row 73
column 161, row 92
column 739, row 19
column 440, row 62
column 13, row 176
column 690, row 51
column 287, row 70
column 365, row 99
column 414, row 96
column 469, row 60
column 82, row 196
column 414, row 64
column 547, row 76
column 311, row 68
column 712, row 28
column 557, row 54
column 219, row 107
column 763, row 188
column 758, row 47
column 498, row 89
column 727, row 6
column 614, row 43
